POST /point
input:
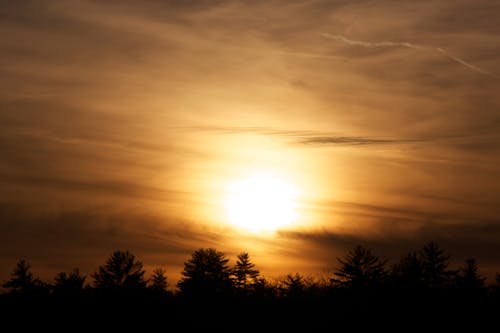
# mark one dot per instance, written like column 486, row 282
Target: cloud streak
column 353, row 42
column 89, row 234
column 308, row 137
column 109, row 187
column 461, row 241
column 313, row 137
column 366, row 44
column 352, row 141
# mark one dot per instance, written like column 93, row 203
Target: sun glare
column 261, row 203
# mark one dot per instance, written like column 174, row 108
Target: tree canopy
column 22, row 279
column 360, row 268
column 121, row 271
column 158, row 281
column 244, row 272
column 435, row 262
column 206, row 273
column 69, row 283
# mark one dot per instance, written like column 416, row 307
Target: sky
column 124, row 123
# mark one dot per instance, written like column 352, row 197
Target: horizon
column 320, row 277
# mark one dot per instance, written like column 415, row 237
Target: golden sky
column 122, row 124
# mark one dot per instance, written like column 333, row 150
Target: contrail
column 369, row 44
column 353, row 42
column 463, row 62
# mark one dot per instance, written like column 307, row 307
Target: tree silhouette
column 121, row 271
column 206, row 273
column 495, row 286
column 159, row 281
column 408, row 273
column 294, row 285
column 245, row 274
column 22, row 280
column 360, row 268
column 223, row 296
column 69, row 284
column 435, row 264
column 469, row 278
column 263, row 288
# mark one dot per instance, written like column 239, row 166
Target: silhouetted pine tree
column 294, row 285
column 69, row 284
column 360, row 268
column 245, row 274
column 206, row 273
column 22, row 280
column 469, row 278
column 495, row 288
column 435, row 264
column 408, row 273
column 121, row 271
column 158, row 281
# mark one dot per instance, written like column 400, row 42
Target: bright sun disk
column 261, row 203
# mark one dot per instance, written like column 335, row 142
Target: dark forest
column 363, row 292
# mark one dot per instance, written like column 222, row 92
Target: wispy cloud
column 109, row 187
column 479, row 140
column 461, row 241
column 400, row 229
column 353, row 42
column 309, row 137
column 88, row 235
column 353, row 141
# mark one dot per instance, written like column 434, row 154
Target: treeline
column 362, row 285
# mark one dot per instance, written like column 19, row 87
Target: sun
column 261, row 203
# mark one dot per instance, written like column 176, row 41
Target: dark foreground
column 398, row 311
